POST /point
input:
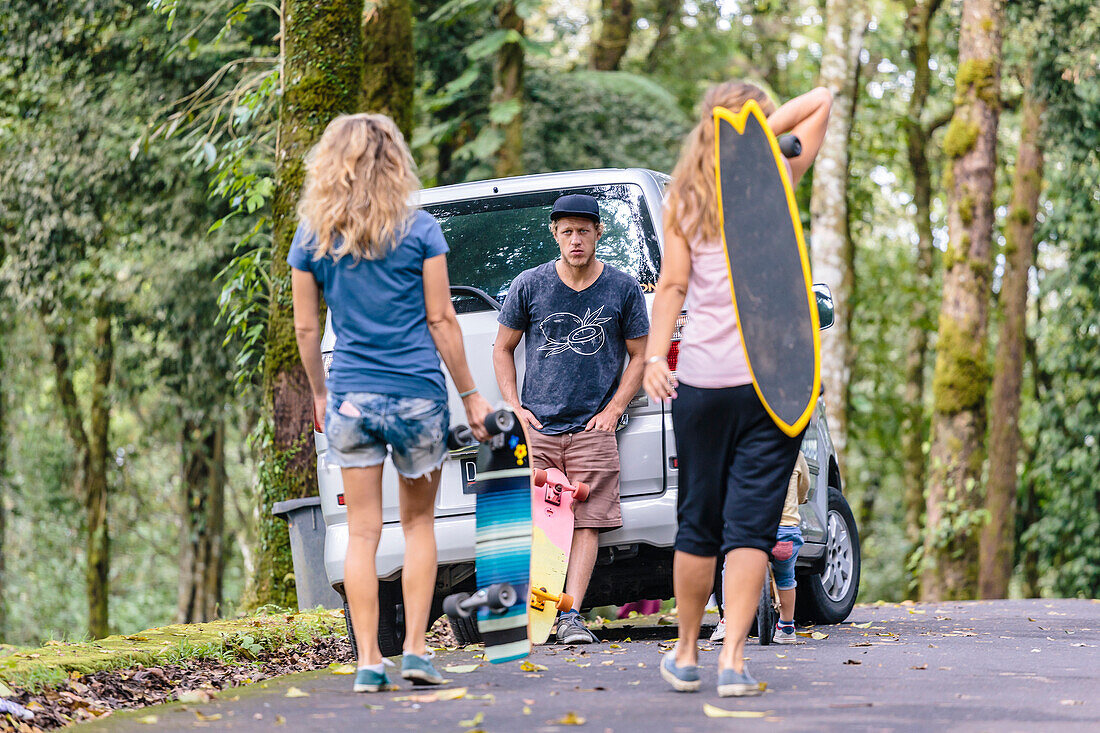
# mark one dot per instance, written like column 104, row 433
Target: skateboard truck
column 539, row 597
column 554, row 490
column 496, row 597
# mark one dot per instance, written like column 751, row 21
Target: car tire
column 465, row 629
column 827, row 597
column 351, row 629
column 391, row 618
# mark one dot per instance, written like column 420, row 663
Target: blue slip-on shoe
column 737, row 684
column 419, row 670
column 682, row 679
column 367, row 680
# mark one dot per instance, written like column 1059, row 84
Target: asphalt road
column 974, row 666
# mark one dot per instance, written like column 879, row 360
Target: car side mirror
column 824, row 305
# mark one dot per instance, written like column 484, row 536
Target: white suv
column 496, row 229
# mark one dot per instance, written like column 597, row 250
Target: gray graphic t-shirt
column 575, row 341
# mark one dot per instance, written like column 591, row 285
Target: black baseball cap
column 576, row 204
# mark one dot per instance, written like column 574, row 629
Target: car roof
column 647, row 179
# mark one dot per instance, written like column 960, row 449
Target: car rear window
column 494, row 239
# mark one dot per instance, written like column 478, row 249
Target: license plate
column 468, row 472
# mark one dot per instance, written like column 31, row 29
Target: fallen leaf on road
column 913, row 610
column 862, row 626
column 456, row 693
column 920, row 666
column 569, row 718
column 372, row 708
column 295, row 692
column 608, row 663
column 280, row 720
column 853, row 661
column 526, row 710
column 195, row 696
column 713, row 711
column 615, row 646
column 528, row 666
column 342, row 668
column 148, row 720
column 586, row 664
column 461, row 668
column 476, row 720
column 1073, row 702
column 204, row 718
column 488, row 696
column 862, row 643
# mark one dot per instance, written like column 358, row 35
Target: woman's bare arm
column 807, row 117
column 307, row 331
column 667, row 303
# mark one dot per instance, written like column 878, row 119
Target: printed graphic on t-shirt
column 567, row 332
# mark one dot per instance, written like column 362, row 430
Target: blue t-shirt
column 382, row 340
column 575, row 341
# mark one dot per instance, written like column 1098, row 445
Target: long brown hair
column 360, row 177
column 692, row 207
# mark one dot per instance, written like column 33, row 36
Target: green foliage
column 600, row 119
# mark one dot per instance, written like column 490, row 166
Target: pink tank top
column 711, row 353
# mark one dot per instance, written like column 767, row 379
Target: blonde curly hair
column 692, row 199
column 360, row 178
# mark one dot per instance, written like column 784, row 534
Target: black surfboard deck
column 769, row 270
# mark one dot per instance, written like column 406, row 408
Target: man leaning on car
column 581, row 317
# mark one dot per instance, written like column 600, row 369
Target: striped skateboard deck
column 503, row 545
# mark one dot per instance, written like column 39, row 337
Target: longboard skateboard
column 769, row 270
column 503, row 542
column 552, row 497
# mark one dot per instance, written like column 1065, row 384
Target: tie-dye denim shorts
column 362, row 427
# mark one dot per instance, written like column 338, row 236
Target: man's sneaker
column 419, row 670
column 784, row 634
column 571, row 630
column 719, row 631
column 737, row 684
column 367, row 680
column 682, row 679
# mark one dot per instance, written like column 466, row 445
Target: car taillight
column 674, row 345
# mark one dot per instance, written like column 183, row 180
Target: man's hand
column 319, row 403
column 527, row 416
column 606, row 420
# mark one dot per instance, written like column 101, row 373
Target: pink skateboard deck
column 552, row 500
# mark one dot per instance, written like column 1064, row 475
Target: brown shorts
column 592, row 457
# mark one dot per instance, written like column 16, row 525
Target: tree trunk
column 918, row 136
column 508, row 90
column 203, row 494
column 389, row 62
column 954, row 514
column 999, row 536
column 3, row 466
column 97, row 572
column 321, row 78
column 668, row 12
column 830, row 248
column 616, row 24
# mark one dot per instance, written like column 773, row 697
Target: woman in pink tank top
column 734, row 463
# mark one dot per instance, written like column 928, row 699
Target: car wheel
column 351, row 629
column 391, row 618
column 465, row 629
column 765, row 611
column 828, row 597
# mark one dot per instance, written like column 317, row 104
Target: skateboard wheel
column 500, row 596
column 565, row 602
column 452, row 605
column 539, row 477
column 580, row 493
column 501, row 421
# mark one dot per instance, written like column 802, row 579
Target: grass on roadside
column 233, row 640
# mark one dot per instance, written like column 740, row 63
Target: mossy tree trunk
column 668, row 17
column 4, row 491
column 389, row 61
column 918, row 136
column 321, row 78
column 91, row 444
column 610, row 44
column 954, row 512
column 831, row 250
column 998, row 541
column 202, row 492
column 508, row 94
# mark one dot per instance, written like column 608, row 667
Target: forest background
column 150, row 163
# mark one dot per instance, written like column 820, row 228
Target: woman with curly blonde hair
column 382, row 267
column 734, row 462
